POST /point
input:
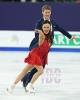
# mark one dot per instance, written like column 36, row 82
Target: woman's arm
column 41, row 36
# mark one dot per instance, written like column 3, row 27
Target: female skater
column 36, row 56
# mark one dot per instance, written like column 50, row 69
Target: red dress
column 38, row 55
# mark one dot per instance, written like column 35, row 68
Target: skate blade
column 7, row 92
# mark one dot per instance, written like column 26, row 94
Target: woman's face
column 46, row 28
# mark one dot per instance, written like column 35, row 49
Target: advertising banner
column 22, row 39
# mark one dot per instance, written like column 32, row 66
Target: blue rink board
column 51, row 49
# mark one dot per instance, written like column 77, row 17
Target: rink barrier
column 51, row 49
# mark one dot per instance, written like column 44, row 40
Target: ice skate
column 10, row 89
column 30, row 88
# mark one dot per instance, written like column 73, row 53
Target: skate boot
column 10, row 88
column 30, row 88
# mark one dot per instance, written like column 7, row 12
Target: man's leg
column 33, row 71
column 27, row 78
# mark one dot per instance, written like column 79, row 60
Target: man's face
column 46, row 14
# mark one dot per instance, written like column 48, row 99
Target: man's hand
column 73, row 38
column 39, row 31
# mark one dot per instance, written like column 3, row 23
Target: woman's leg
column 19, row 77
column 34, row 78
column 37, row 74
column 22, row 73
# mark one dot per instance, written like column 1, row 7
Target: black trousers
column 29, row 75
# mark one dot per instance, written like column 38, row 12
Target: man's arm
column 38, row 26
column 58, row 28
column 34, row 42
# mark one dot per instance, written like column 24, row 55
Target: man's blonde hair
column 46, row 7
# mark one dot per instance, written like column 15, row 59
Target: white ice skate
column 30, row 88
column 10, row 89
